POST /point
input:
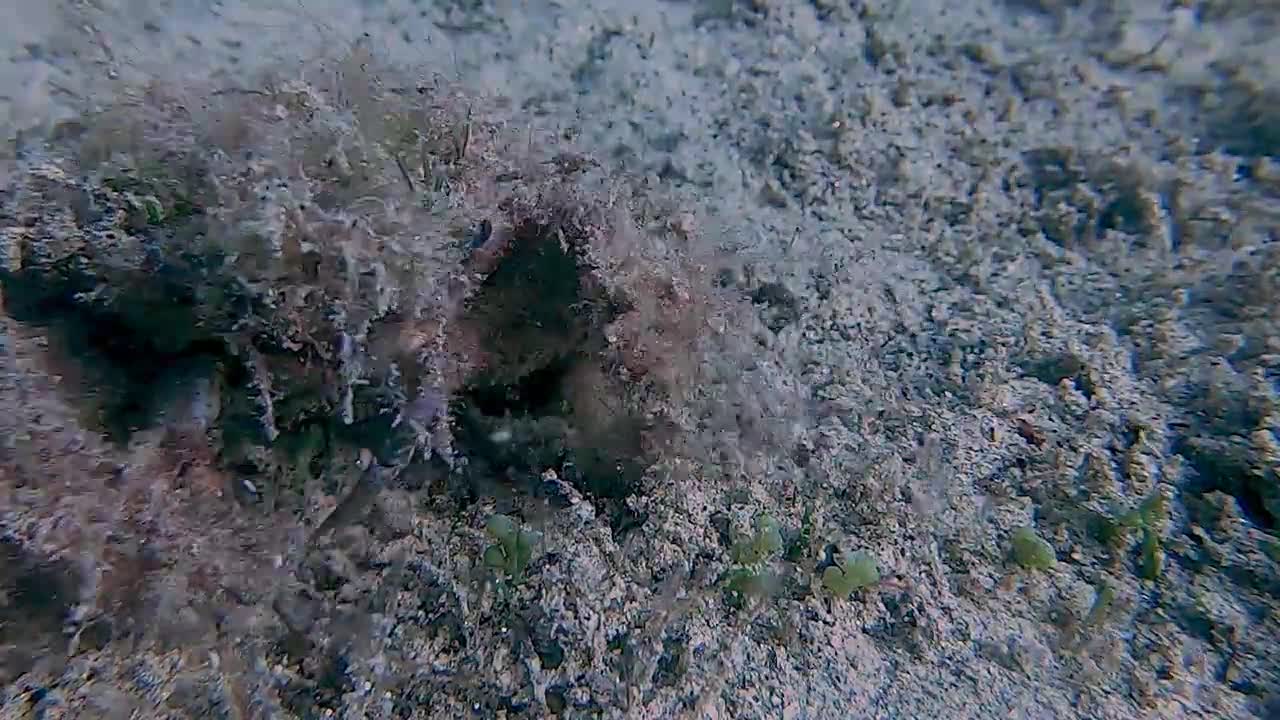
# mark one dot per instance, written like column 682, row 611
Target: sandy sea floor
column 1011, row 264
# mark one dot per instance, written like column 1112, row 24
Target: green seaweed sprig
column 752, row 554
column 764, row 543
column 852, row 570
column 1031, row 551
column 1149, row 519
column 509, row 556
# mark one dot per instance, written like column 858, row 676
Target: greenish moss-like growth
column 1148, row 518
column 749, row 583
column 510, row 555
column 799, row 545
column 153, row 194
column 1152, row 559
column 1032, row 551
column 751, row 578
column 1102, row 603
column 1271, row 548
column 1116, row 527
column 853, row 570
column 1153, row 511
column 762, row 545
column 1153, row 514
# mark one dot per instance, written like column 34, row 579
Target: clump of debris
column 232, row 316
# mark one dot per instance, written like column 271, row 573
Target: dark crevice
column 36, row 598
column 120, row 363
column 1220, row 469
column 537, row 393
column 543, row 400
